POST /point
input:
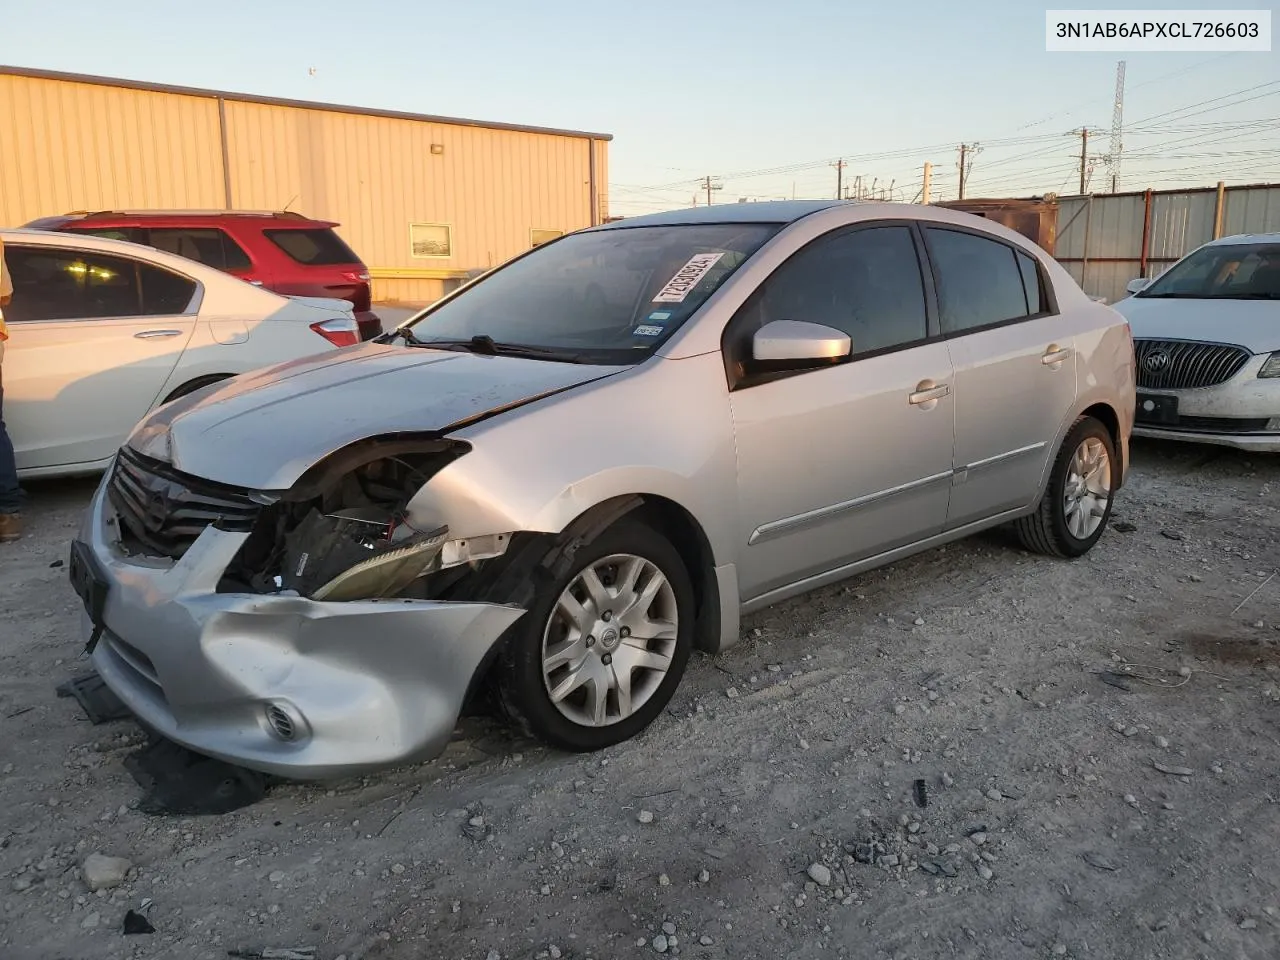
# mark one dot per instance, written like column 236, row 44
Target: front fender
column 662, row 429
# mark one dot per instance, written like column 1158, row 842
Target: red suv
column 285, row 252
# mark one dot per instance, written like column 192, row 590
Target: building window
column 431, row 239
column 538, row 237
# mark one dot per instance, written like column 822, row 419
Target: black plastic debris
column 95, row 698
column 921, row 794
column 135, row 923
column 275, row 953
column 55, row 565
column 179, row 781
column 1124, row 526
column 1172, row 535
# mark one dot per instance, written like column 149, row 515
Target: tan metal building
column 422, row 199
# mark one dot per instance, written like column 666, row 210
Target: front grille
column 162, row 510
column 1212, row 425
column 1185, row 364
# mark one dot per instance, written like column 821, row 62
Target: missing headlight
column 343, row 532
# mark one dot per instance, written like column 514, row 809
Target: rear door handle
column 1055, row 354
column 925, row 393
column 156, row 334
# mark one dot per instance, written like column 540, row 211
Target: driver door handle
column 156, row 334
column 1055, row 354
column 925, row 394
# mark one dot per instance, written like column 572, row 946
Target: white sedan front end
column 1207, row 347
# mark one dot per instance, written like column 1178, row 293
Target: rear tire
column 603, row 646
column 1076, row 506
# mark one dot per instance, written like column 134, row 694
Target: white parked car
column 1207, row 337
column 102, row 331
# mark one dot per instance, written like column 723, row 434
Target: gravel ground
column 774, row 811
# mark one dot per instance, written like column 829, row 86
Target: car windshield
column 607, row 296
column 1234, row 271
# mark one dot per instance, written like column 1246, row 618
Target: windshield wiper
column 484, row 344
column 404, row 332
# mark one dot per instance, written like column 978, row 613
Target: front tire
column 603, row 646
column 1077, row 502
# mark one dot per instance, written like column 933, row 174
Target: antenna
column 1117, row 123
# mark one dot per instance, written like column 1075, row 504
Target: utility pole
column 839, row 165
column 1084, row 157
column 709, row 183
column 928, row 182
column 967, row 152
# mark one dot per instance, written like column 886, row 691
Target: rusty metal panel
column 80, row 146
column 1251, row 210
column 1180, row 222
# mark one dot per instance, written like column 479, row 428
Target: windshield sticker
column 660, row 315
column 648, row 330
column 687, row 277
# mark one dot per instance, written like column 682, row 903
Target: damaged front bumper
column 293, row 687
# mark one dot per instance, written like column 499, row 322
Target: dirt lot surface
column 1064, row 816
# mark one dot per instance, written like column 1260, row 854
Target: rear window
column 315, row 248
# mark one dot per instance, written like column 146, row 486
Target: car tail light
column 341, row 331
column 354, row 276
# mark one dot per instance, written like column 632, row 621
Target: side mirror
column 1137, row 284
column 796, row 340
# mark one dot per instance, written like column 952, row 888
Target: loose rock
column 104, row 873
column 660, row 943
column 819, row 874
column 645, row 816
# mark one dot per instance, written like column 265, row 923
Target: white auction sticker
column 687, row 277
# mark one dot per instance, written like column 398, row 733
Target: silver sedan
column 580, row 467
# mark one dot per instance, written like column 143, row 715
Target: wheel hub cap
column 1087, row 491
column 609, row 640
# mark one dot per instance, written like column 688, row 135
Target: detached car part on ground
column 586, row 463
column 1207, row 336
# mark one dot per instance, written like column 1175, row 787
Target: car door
column 92, row 339
column 852, row 459
column 1015, row 369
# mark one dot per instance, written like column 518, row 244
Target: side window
column 62, row 284
column 980, row 281
column 1032, row 285
column 207, row 245
column 164, row 293
column 864, row 282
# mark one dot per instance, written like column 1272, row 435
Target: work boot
column 10, row 527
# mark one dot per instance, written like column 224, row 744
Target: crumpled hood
column 1252, row 324
column 262, row 430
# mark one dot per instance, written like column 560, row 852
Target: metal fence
column 1105, row 241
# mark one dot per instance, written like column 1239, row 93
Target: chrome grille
column 162, row 510
column 1186, row 364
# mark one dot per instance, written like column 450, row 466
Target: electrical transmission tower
column 1117, row 124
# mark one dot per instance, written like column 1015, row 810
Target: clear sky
column 728, row 89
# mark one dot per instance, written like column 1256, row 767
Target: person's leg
column 10, row 492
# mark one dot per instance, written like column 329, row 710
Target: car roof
column 768, row 211
column 282, row 218
column 1245, row 238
